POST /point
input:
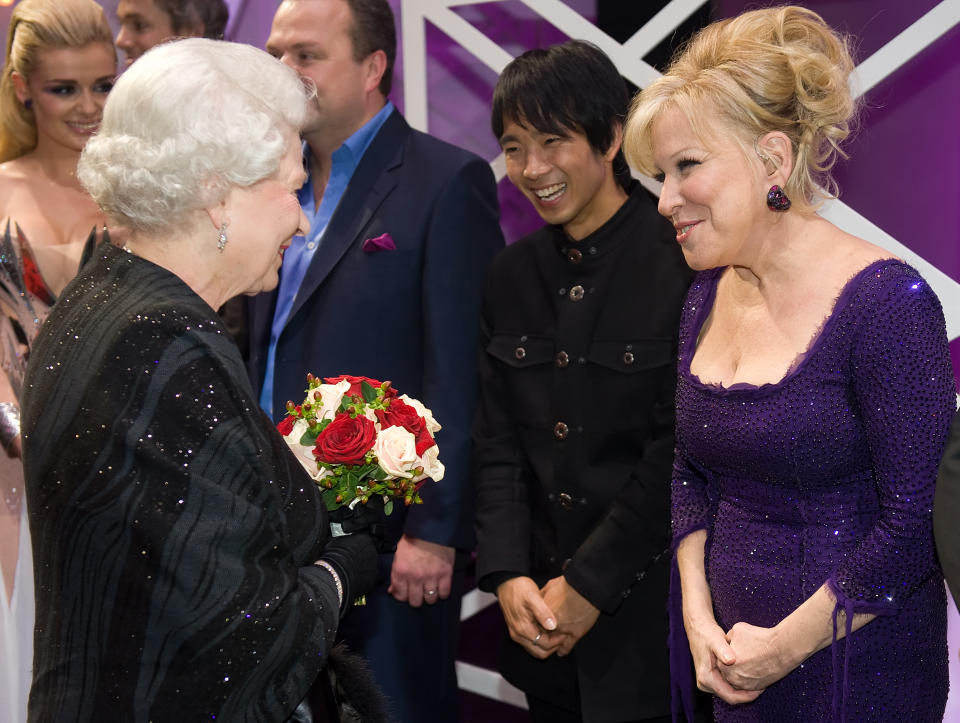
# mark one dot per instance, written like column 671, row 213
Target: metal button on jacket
column 574, row 256
column 520, row 352
column 566, row 501
column 563, row 359
column 560, row 430
column 576, row 293
column 628, row 357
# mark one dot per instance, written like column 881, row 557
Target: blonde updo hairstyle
column 777, row 69
column 36, row 25
column 187, row 122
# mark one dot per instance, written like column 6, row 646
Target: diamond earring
column 222, row 238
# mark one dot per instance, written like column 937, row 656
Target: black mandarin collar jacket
column 574, row 444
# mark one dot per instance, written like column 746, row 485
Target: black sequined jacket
column 173, row 532
column 574, row 446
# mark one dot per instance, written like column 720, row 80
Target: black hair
column 183, row 13
column 373, row 29
column 572, row 86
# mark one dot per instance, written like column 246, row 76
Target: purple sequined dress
column 827, row 476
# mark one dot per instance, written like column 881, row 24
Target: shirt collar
column 605, row 238
column 349, row 153
column 358, row 143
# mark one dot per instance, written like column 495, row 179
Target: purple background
column 903, row 172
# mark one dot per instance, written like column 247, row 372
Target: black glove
column 369, row 518
column 354, row 557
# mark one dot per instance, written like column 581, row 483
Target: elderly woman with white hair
column 183, row 562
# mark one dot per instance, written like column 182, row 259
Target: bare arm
column 765, row 655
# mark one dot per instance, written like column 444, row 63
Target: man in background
column 574, row 437
column 145, row 23
column 386, row 285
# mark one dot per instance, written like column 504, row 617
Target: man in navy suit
column 386, row 285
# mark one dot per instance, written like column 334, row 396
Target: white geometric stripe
column 897, row 52
column 629, row 59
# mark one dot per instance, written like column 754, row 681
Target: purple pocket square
column 380, row 243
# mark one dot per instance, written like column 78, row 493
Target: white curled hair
column 184, row 124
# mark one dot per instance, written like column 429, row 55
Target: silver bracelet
column 9, row 423
column 336, row 578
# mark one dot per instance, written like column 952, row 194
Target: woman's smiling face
column 67, row 90
column 713, row 195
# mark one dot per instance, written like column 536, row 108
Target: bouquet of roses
column 359, row 438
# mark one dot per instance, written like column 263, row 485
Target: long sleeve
column 462, row 237
column 174, row 533
column 503, row 513
column 691, row 507
column 637, row 519
column 904, row 390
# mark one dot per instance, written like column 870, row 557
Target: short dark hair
column 183, row 13
column 572, row 86
column 374, row 29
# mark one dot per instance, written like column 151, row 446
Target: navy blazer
column 408, row 315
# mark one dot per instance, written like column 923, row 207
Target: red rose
column 400, row 414
column 345, row 440
column 286, row 425
column 355, row 383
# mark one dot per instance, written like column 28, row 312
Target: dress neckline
column 817, row 340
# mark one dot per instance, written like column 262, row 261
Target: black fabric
column 354, row 558
column 546, row 711
column 174, row 533
column 574, row 447
column 946, row 511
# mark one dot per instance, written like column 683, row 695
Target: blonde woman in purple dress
column 814, row 395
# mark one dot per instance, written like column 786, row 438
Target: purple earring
column 777, row 200
column 28, row 103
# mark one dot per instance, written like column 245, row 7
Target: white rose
column 396, row 449
column 432, row 466
column 433, row 426
column 303, row 454
column 329, row 396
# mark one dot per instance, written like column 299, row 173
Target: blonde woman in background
column 59, row 66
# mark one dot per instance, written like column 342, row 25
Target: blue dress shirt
column 296, row 259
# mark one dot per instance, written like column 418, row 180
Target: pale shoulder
column 17, row 170
column 15, row 178
column 845, row 255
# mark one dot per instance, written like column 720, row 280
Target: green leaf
column 309, row 438
column 388, row 507
column 369, row 393
column 329, row 498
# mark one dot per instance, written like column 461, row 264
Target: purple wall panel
column 903, row 172
column 904, row 168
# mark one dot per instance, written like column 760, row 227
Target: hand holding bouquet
column 358, row 439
